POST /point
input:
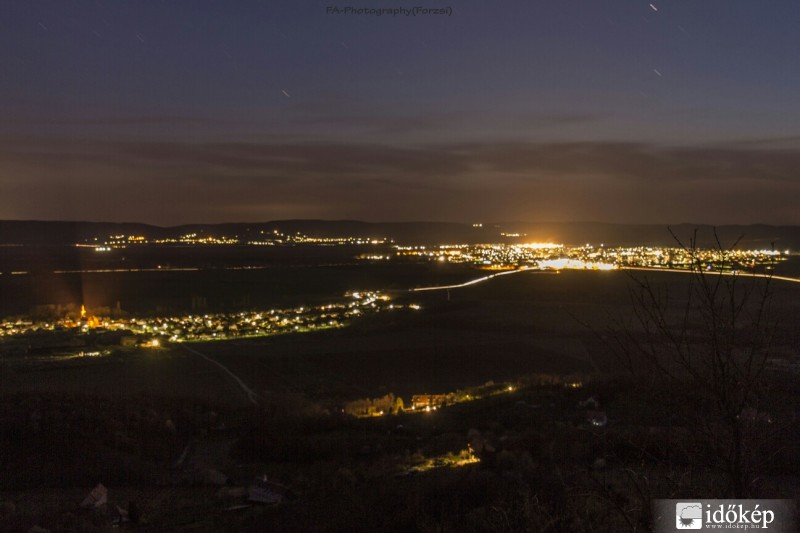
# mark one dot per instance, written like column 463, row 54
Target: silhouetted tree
column 707, row 350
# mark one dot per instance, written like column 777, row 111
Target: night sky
column 173, row 112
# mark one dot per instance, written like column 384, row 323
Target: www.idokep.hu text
column 416, row 11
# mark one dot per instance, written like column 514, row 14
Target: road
column 250, row 393
column 475, row 281
column 713, row 273
column 643, row 269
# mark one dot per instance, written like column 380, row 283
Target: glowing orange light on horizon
column 541, row 245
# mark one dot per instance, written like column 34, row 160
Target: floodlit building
column 423, row 401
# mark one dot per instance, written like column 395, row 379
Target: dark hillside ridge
column 571, row 233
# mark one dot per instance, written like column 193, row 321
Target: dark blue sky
column 170, row 112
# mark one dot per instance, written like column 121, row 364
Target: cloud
column 558, row 119
column 169, row 182
column 692, row 512
column 784, row 142
column 118, row 120
column 358, row 116
column 636, row 161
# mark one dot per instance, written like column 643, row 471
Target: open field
column 499, row 330
column 127, row 419
column 217, row 289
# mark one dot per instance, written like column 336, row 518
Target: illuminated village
column 559, row 256
column 152, row 331
column 262, row 238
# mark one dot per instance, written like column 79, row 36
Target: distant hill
column 748, row 236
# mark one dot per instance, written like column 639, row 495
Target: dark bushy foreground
column 544, row 465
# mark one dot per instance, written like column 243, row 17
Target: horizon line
column 483, row 224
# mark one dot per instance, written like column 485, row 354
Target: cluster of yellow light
column 219, row 325
column 575, row 264
column 128, row 238
column 192, row 238
column 766, row 252
column 275, row 237
column 450, row 460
